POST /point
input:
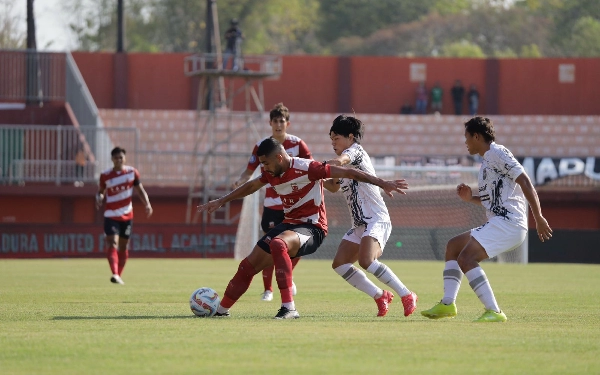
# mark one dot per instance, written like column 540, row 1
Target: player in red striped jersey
column 299, row 183
column 273, row 208
column 117, row 184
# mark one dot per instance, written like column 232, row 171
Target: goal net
column 423, row 220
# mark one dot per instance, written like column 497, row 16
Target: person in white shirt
column 504, row 190
column 371, row 224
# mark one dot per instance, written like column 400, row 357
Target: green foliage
column 63, row 316
column 11, row 36
column 530, row 51
column 347, row 18
column 462, row 49
column 502, row 28
column 585, row 39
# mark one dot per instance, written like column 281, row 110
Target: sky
column 52, row 31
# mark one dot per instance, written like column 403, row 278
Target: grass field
column 65, row 317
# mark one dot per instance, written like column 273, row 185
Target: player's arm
column 332, row 184
column 244, row 177
column 388, row 186
column 543, row 229
column 466, row 194
column 144, row 197
column 100, row 193
column 240, row 192
column 340, row 160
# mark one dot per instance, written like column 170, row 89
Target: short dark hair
column 483, row 126
column 279, row 110
column 346, row 125
column 267, row 147
column 118, row 150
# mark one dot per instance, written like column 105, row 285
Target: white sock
column 384, row 274
column 452, row 279
column 289, row 305
column 481, row 286
column 222, row 310
column 358, row 279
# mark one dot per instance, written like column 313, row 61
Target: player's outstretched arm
column 542, row 226
column 242, row 191
column 99, row 198
column 388, row 186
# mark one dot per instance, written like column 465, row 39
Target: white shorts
column 379, row 230
column 498, row 236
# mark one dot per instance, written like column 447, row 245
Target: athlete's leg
column 343, row 265
column 468, row 260
column 452, row 274
column 111, row 253
column 123, row 253
column 239, row 284
column 284, row 246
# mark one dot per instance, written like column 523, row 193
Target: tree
column 585, row 39
column 11, row 36
column 462, row 49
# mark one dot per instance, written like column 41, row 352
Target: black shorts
column 117, row 228
column 271, row 218
column 316, row 237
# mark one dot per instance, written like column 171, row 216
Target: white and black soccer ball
column 204, row 302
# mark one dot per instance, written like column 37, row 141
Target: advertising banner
column 87, row 240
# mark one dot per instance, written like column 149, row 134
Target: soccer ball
column 204, row 302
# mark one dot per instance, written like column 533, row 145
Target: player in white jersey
column 371, row 224
column 504, row 189
column 299, row 184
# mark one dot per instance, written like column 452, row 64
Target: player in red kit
column 117, row 184
column 299, row 183
column 279, row 120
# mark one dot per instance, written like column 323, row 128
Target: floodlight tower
column 219, row 130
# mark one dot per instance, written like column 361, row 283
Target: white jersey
column 364, row 200
column 499, row 193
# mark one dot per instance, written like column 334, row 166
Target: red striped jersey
column 295, row 147
column 118, row 189
column 301, row 191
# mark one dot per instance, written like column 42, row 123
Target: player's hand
column 210, row 207
column 149, row 210
column 99, row 199
column 397, row 186
column 464, row 192
column 543, row 229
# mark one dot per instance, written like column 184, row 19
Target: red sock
column 283, row 268
column 239, row 284
column 267, row 275
column 123, row 256
column 111, row 255
column 295, row 261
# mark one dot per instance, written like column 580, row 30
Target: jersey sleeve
column 303, row 151
column 506, row 163
column 318, row 171
column 102, row 182
column 253, row 162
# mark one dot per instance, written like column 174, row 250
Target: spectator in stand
column 473, row 96
column 406, row 108
column 233, row 47
column 421, row 102
column 436, row 98
column 458, row 93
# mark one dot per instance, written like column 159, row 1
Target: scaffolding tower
column 220, row 130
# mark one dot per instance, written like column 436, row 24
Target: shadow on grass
column 123, row 317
